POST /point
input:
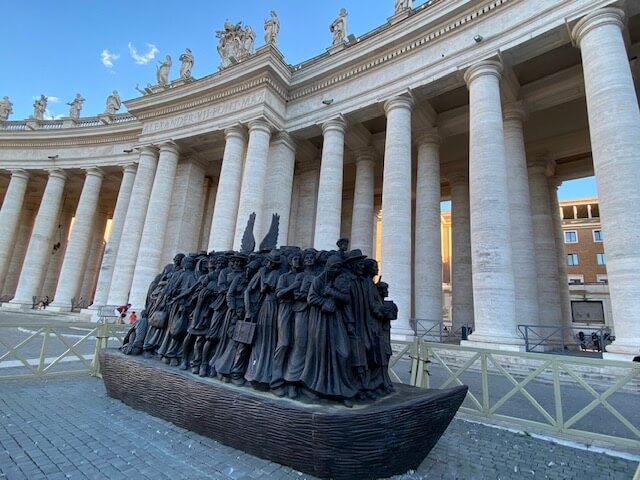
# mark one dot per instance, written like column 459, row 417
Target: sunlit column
column 614, row 127
column 10, row 216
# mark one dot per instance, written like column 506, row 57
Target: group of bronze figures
column 292, row 321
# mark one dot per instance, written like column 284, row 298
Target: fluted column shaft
column 253, row 184
column 223, row 223
column 282, row 156
column 329, row 207
column 362, row 216
column 36, row 260
column 545, row 244
column 524, row 265
column 428, row 252
column 461, row 277
column 10, row 216
column 493, row 285
column 614, row 127
column 155, row 225
column 134, row 224
column 115, row 236
column 396, row 210
column 76, row 255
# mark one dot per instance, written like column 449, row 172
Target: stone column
column 563, row 279
column 134, row 224
column 282, row 156
column 362, row 212
column 27, row 219
column 329, row 207
column 253, row 181
column 614, row 126
column 461, row 276
column 209, row 194
column 428, row 246
column 60, row 235
column 524, row 263
column 96, row 253
column 396, row 210
column 9, row 218
column 76, row 255
column 155, row 225
column 115, row 236
column 544, row 244
column 39, row 250
column 223, row 223
column 304, row 203
column 493, row 285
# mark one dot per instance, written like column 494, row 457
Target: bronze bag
column 244, row 332
column 159, row 319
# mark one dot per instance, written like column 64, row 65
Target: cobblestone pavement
column 68, row 427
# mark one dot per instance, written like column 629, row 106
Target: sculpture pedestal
column 328, row 440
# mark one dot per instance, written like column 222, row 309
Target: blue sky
column 92, row 47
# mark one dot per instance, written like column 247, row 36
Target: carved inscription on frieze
column 207, row 113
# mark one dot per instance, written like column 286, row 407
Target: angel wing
column 270, row 240
column 248, row 242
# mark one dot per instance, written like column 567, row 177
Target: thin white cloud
column 143, row 59
column 108, row 58
column 53, row 99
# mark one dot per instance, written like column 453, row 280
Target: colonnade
column 507, row 264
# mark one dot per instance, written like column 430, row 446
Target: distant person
column 121, row 312
column 132, row 318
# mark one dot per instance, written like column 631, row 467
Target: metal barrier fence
column 566, row 340
column 584, row 398
column 49, row 349
column 589, row 399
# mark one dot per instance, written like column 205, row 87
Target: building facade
column 488, row 103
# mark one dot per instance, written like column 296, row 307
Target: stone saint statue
column 75, row 106
column 271, row 29
column 235, row 43
column 162, row 73
column 339, row 27
column 113, row 103
column 39, row 107
column 187, row 64
column 400, row 5
column 6, row 108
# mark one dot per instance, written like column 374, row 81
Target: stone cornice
column 435, row 33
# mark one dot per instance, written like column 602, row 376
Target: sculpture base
column 328, row 440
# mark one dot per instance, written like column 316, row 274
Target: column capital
column 237, row 131
column 170, row 146
column 458, row 177
column 539, row 163
column 401, row 101
column 148, row 150
column 428, row 137
column 484, row 67
column 365, row 154
column 515, row 111
column 130, row 168
column 337, row 123
column 57, row 173
column 604, row 16
column 19, row 173
column 94, row 172
column 260, row 124
column 284, row 138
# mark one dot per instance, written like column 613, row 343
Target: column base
column 622, row 351
column 402, row 334
column 494, row 342
column 17, row 305
column 59, row 307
